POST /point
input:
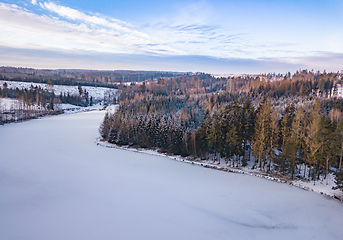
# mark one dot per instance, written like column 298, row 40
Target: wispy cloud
column 322, row 60
column 189, row 32
column 198, row 28
column 74, row 14
column 24, row 29
column 191, row 29
column 108, row 61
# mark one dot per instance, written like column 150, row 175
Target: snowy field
column 57, row 183
column 7, row 104
column 96, row 92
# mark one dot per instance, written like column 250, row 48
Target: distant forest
column 35, row 102
column 292, row 125
column 68, row 77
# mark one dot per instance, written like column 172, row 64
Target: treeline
column 298, row 143
column 153, row 122
column 45, row 98
column 55, row 80
column 301, row 83
column 29, row 96
column 308, row 143
column 82, row 99
column 188, row 84
column 28, row 104
column 35, row 102
column 85, row 77
column 304, row 84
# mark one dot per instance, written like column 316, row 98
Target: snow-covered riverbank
column 57, row 183
column 324, row 186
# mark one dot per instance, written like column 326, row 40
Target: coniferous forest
column 290, row 125
column 36, row 102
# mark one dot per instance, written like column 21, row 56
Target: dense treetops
column 288, row 125
column 85, row 77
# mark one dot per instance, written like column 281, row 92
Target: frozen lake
column 57, row 184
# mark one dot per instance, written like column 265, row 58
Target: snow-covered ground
column 322, row 186
column 57, row 183
column 7, row 104
column 96, row 92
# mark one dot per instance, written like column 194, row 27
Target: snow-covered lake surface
column 57, row 183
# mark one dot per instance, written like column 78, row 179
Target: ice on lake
column 56, row 183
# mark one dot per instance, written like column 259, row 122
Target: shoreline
column 334, row 194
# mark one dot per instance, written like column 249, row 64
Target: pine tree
column 266, row 135
column 286, row 123
column 339, row 180
column 273, row 137
column 105, row 126
column 231, row 130
column 162, row 134
column 80, row 89
column 262, row 132
column 232, row 143
column 295, row 143
column 312, row 143
column 247, row 125
column 340, row 140
column 214, row 136
column 113, row 135
column 201, row 136
column 328, row 140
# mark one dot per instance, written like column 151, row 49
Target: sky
column 218, row 36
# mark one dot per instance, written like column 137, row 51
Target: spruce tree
column 327, row 138
column 295, row 143
column 247, row 125
column 340, row 142
column 285, row 134
column 260, row 142
column 105, row 126
column 214, row 136
column 232, row 143
column 312, row 143
column 339, row 180
column 273, row 137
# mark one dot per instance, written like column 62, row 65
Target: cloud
column 111, row 61
column 201, row 28
column 188, row 41
column 329, row 61
column 159, row 38
column 24, row 29
column 37, row 58
column 74, row 14
column 193, row 39
column 65, row 28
